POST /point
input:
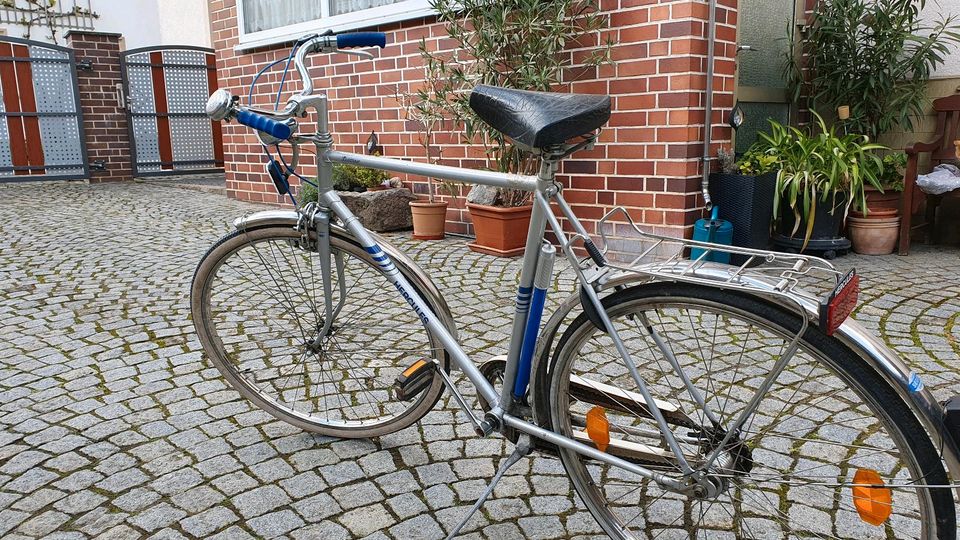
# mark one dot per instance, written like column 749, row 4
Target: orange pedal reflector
column 874, row 504
column 598, row 428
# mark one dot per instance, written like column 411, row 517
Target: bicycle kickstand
column 523, row 448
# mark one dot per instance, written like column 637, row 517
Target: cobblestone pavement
column 113, row 425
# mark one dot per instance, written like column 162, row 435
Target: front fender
column 289, row 218
column 871, row 349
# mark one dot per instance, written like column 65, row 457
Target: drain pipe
column 708, row 105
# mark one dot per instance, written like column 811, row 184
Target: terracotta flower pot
column 874, row 236
column 882, row 201
column 500, row 231
column 876, row 213
column 429, row 219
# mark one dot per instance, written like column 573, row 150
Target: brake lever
column 362, row 54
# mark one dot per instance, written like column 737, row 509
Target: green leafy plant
column 819, row 166
column 306, row 194
column 755, row 162
column 891, row 177
column 345, row 178
column 875, row 56
column 353, row 178
column 511, row 43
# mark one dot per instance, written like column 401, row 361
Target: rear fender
column 863, row 343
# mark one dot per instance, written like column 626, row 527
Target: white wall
column 143, row 23
column 932, row 11
column 187, row 22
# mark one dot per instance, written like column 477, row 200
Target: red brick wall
column 104, row 121
column 648, row 156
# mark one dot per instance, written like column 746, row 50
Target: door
column 766, row 27
column 41, row 127
column 167, row 90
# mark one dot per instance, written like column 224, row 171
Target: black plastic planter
column 747, row 203
column 825, row 239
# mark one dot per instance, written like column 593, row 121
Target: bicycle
column 681, row 396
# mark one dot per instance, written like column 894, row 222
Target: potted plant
column 514, row 44
column 743, row 191
column 822, row 174
column 874, row 226
column 430, row 215
column 885, row 200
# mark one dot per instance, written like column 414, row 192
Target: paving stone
column 317, row 508
column 356, row 495
column 274, row 524
column 156, row 517
column 422, row 526
column 260, row 500
column 209, row 521
column 366, row 520
column 43, row 524
column 322, row 531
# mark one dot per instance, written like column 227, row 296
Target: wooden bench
column 944, row 148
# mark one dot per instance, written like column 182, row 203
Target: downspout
column 708, row 105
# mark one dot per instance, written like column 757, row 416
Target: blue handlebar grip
column 264, row 124
column 362, row 39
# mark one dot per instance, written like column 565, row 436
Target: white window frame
column 401, row 11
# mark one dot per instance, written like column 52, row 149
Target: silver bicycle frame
column 503, row 413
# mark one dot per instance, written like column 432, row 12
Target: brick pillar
column 107, row 138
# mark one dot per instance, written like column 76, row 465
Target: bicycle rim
column 826, row 417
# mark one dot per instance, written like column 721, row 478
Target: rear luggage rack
column 763, row 272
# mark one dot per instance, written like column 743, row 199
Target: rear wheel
column 258, row 307
column 788, row 474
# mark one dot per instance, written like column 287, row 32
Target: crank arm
column 617, row 399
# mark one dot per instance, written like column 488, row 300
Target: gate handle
column 121, row 97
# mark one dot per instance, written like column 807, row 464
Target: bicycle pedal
column 415, row 379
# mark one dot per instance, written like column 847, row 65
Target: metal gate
column 41, row 128
column 167, row 89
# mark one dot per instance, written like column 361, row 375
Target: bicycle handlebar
column 362, row 39
column 264, row 124
column 333, row 44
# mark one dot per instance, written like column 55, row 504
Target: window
column 266, row 22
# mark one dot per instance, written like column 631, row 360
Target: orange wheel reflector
column 874, row 504
column 598, row 428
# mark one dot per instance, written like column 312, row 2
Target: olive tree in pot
column 514, row 44
column 822, row 174
column 430, row 215
column 867, row 62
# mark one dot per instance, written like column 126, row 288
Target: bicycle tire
column 914, row 446
column 346, row 351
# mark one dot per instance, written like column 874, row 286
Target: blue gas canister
column 715, row 231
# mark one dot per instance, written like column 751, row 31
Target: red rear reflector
column 840, row 304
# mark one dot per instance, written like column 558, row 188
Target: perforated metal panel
column 62, row 146
column 48, row 139
column 6, row 158
column 167, row 90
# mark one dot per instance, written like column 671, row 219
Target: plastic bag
column 942, row 178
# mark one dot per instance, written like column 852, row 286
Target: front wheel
column 259, row 311
column 788, row 473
